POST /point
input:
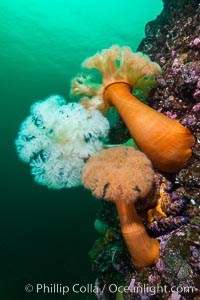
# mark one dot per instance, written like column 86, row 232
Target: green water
column 45, row 235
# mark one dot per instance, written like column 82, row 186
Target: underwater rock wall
column 173, row 41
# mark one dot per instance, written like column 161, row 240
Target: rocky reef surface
column 173, row 41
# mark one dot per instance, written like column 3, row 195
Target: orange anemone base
column 166, row 142
column 144, row 250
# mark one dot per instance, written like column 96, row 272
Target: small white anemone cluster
column 58, row 138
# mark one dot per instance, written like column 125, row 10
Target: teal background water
column 45, row 235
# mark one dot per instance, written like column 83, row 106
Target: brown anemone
column 165, row 141
column 124, row 175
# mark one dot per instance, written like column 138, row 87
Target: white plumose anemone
column 58, row 138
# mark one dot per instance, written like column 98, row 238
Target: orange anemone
column 166, row 142
column 125, row 176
